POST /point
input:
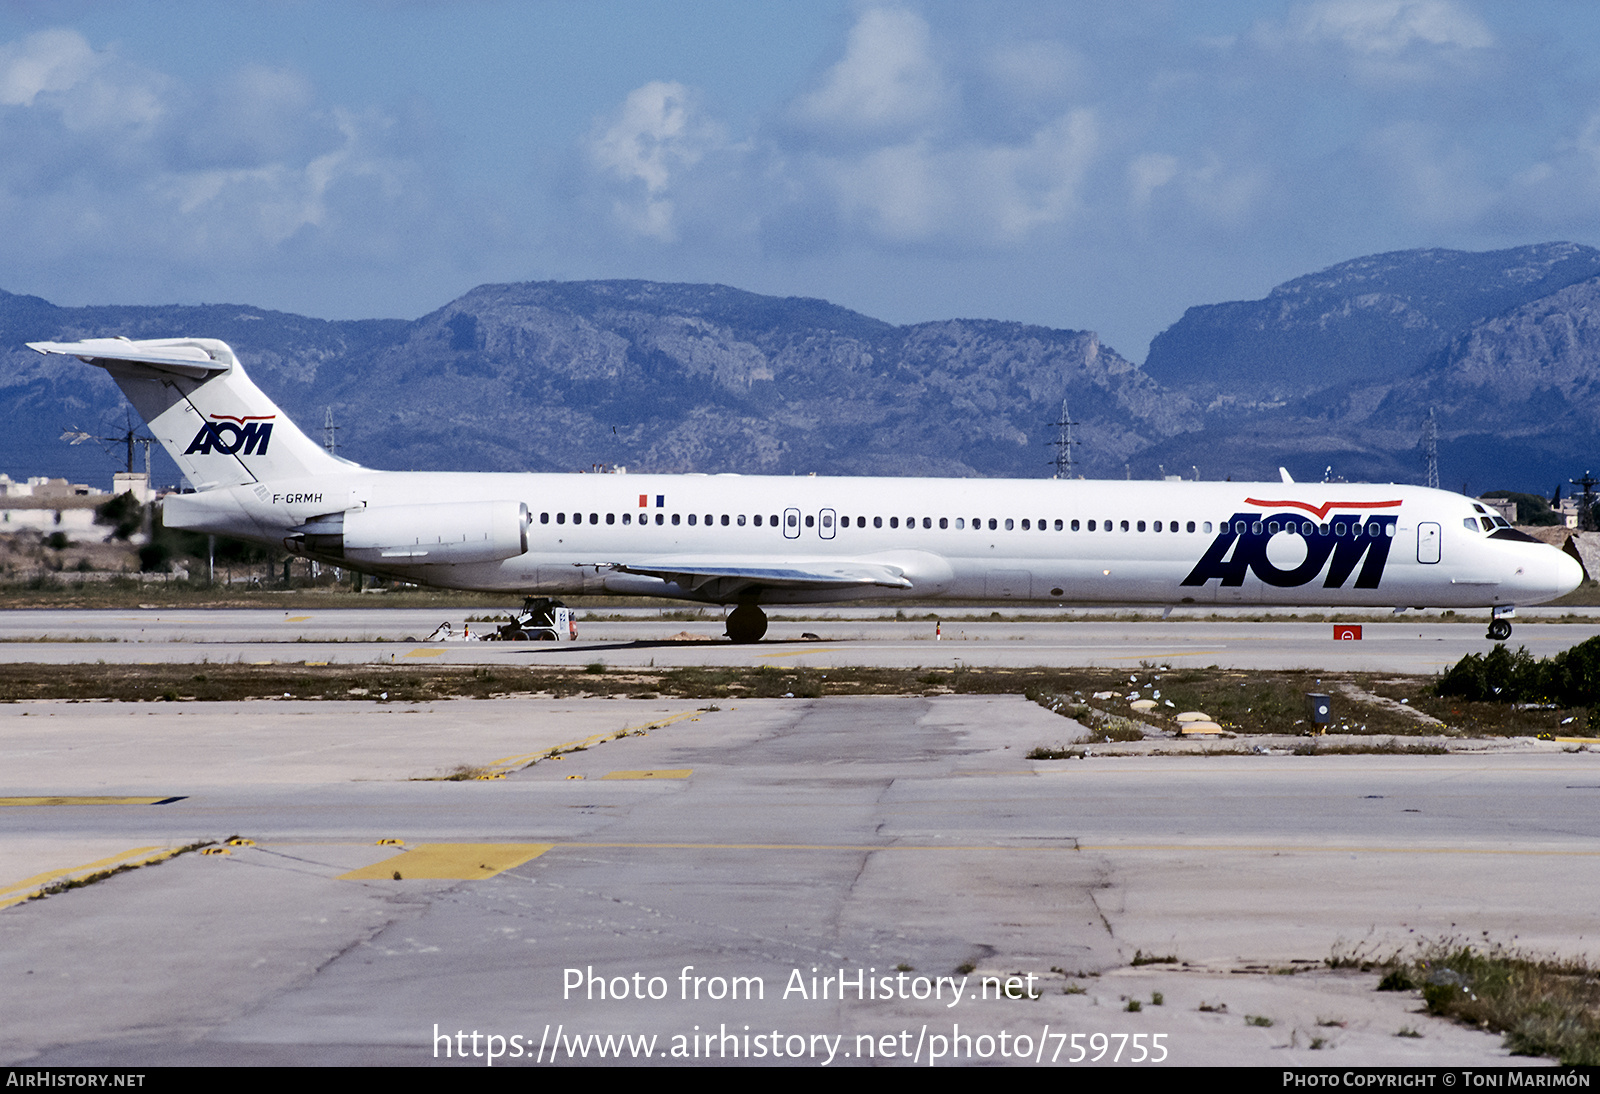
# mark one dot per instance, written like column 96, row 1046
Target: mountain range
column 1332, row 373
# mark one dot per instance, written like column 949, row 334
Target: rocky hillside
column 560, row 376
column 1372, row 319
column 1333, row 370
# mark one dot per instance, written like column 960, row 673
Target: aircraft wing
column 164, row 356
column 818, row 575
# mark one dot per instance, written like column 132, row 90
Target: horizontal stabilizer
column 178, row 355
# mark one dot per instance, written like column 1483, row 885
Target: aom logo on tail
column 228, row 434
column 1346, row 540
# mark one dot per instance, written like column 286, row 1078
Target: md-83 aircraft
column 745, row 541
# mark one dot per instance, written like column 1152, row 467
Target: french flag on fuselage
column 644, row 501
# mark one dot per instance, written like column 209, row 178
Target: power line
column 1430, row 448
column 1063, row 443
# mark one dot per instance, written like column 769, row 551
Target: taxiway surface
column 640, row 637
column 769, row 840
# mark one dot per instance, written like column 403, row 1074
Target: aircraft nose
column 1569, row 574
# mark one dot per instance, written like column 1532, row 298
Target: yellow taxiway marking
column 450, row 861
column 22, row 890
column 505, row 763
column 66, row 800
column 669, row 773
column 424, row 653
column 797, row 653
column 296, row 618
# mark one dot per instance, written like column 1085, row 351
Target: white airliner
column 747, row 541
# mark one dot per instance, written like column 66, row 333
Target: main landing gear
column 747, row 623
column 1500, row 625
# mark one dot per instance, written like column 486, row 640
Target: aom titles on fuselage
column 747, row 540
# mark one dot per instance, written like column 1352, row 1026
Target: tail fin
column 214, row 422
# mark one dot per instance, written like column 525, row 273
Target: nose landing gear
column 1500, row 624
column 747, row 623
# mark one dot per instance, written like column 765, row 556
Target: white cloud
column 885, row 149
column 1391, row 26
column 103, row 160
column 969, row 193
column 51, row 60
column 1204, row 184
column 655, row 136
column 886, row 81
column 1434, row 180
column 1149, row 172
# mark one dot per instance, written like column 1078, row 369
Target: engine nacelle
column 448, row 533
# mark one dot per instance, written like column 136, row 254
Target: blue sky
column 1084, row 165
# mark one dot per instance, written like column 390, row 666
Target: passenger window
column 1141, row 526
column 544, row 518
column 773, row 520
column 758, row 520
column 961, row 522
column 627, row 518
column 725, row 520
column 611, row 518
column 894, row 522
column 927, row 522
column 1058, row 524
column 1025, row 527
column 877, row 522
column 1008, row 524
column 993, row 524
column 594, row 518
column 674, row 518
column 1091, row 526
column 1272, row 526
column 1107, row 523
column 810, row 521
column 1124, row 526
column 561, row 518
column 1338, row 529
column 794, row 521
column 740, row 520
column 943, row 523
column 660, row 519
column 1075, row 526
column 691, row 519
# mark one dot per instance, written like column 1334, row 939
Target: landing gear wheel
column 1499, row 630
column 747, row 623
